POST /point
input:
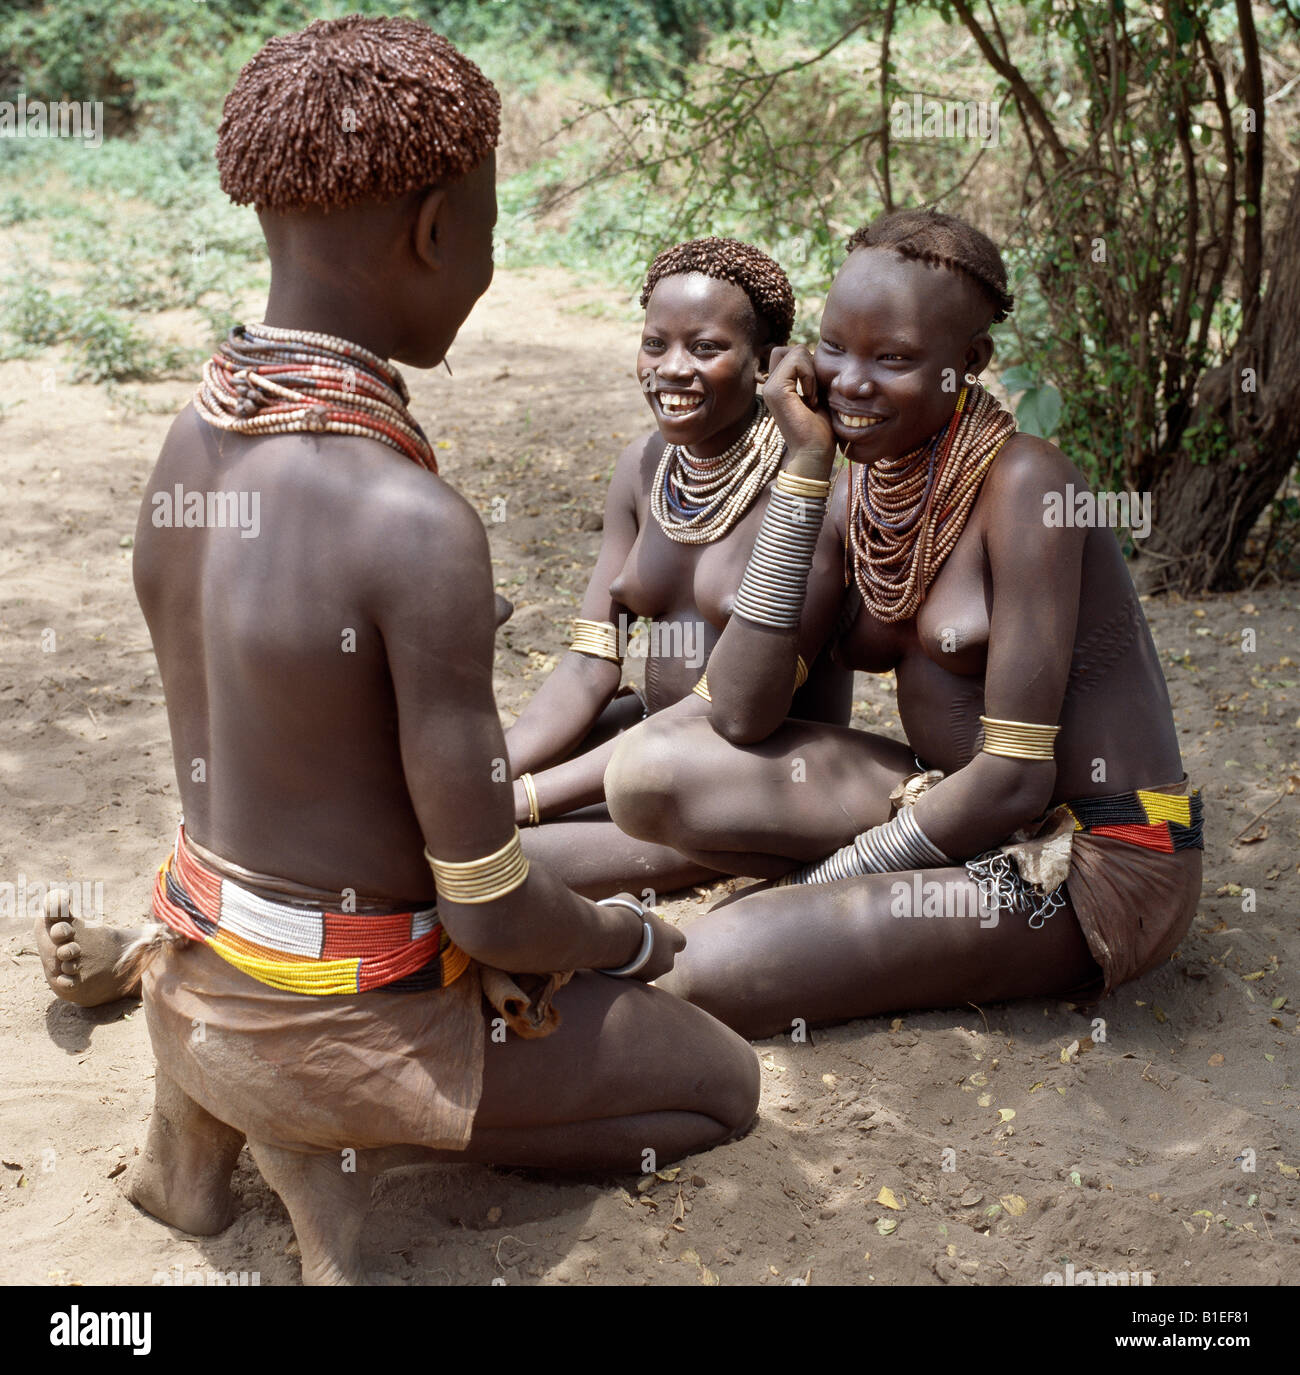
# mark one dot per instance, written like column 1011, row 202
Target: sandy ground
column 967, row 1146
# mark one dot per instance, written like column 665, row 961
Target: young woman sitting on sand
column 1039, row 802
column 347, row 833
column 683, row 508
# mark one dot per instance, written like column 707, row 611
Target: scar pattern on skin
column 1102, row 648
column 964, row 728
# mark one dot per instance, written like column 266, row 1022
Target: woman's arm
column 580, row 782
column 1036, row 571
column 752, row 667
column 452, row 748
column 566, row 706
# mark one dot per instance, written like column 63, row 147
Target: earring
column 970, row 379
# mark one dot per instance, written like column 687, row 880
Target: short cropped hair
column 729, row 260
column 351, row 110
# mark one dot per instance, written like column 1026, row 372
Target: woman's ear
column 429, row 215
column 763, row 354
column 978, row 353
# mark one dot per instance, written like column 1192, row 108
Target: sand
column 965, row 1146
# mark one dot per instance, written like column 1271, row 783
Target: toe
column 62, row 981
column 58, row 905
column 69, row 966
column 71, row 951
column 61, row 931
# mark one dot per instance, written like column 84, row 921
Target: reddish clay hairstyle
column 757, row 275
column 351, row 110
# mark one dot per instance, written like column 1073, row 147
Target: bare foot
column 77, row 958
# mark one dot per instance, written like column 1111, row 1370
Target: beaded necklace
column 906, row 514
column 697, row 500
column 266, row 380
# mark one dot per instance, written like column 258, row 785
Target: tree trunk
column 1202, row 513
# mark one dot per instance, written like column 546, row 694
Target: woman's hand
column 667, row 941
column 804, row 423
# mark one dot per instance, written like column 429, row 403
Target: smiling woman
column 1051, row 802
column 682, row 513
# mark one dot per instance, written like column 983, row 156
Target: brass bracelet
column 596, row 638
column 473, row 881
column 530, row 792
column 1018, row 739
column 810, row 488
column 701, row 689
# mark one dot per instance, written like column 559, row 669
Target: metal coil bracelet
column 776, row 578
column 897, row 845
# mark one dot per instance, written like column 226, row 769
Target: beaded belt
column 1155, row 821
column 1150, row 820
column 299, row 950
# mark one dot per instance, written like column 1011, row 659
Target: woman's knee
column 642, row 779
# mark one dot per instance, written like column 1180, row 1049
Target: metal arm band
column 776, row 578
column 701, row 689
column 475, row 881
column 530, row 792
column 816, row 488
column 898, row 845
column 1018, row 739
column 625, row 971
column 597, row 638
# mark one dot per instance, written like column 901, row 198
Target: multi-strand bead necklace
column 265, row 380
column 906, row 514
column 696, row 500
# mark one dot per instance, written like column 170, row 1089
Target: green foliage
column 33, row 316
column 105, row 345
column 110, row 348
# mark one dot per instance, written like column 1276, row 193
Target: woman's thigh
column 623, row 1049
column 801, row 793
column 884, row 943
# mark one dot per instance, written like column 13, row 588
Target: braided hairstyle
column 944, row 241
column 729, row 260
column 351, row 110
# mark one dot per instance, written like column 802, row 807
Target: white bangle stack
column 898, row 845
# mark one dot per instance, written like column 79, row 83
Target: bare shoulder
column 636, row 464
column 1026, row 469
column 406, row 513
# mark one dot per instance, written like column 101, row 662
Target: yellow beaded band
column 530, row 791
column 800, row 673
column 481, row 880
column 810, row 488
column 701, row 689
column 1018, row 739
column 597, row 638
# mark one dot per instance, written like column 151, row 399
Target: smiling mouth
column 676, row 403
column 858, row 422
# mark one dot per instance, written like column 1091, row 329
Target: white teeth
column 678, row 403
column 858, row 422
